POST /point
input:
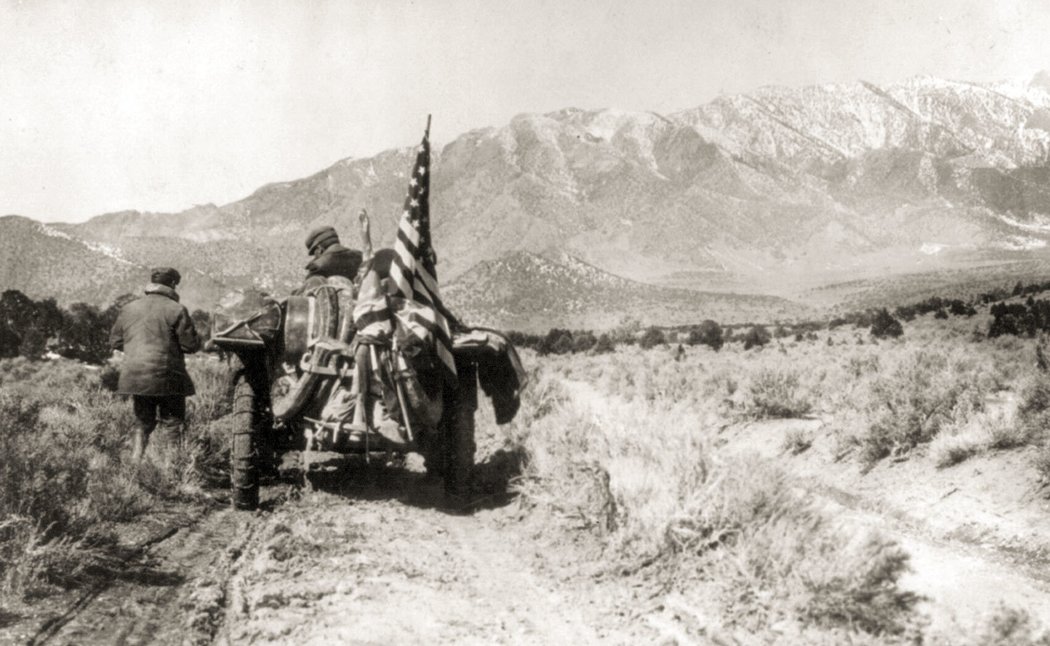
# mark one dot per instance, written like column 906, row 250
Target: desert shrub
column 1004, row 324
column 36, row 477
column 213, row 380
column 1009, row 627
column 775, row 555
column 1033, row 410
column 1041, row 461
column 640, row 470
column 757, row 336
column 85, row 333
column 564, row 345
column 959, row 308
column 849, row 582
column 64, row 477
column 653, row 337
column 885, row 326
column 27, row 324
column 982, row 432
column 9, row 341
column 776, row 393
column 604, row 345
column 33, row 561
column 524, row 340
column 54, row 489
column 905, row 313
column 557, row 341
column 583, row 342
column 797, row 441
column 948, row 450
column 719, row 512
column 1007, row 436
column 627, row 332
column 909, row 406
column 708, row 333
column 859, row 366
column 1018, row 319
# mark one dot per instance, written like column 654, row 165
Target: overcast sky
column 159, row 105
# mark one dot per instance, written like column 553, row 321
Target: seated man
column 330, row 258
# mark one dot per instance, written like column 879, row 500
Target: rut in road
column 164, row 594
column 368, row 567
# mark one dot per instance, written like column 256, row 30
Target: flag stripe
column 411, row 234
column 400, row 277
column 413, row 272
column 429, row 283
column 372, row 317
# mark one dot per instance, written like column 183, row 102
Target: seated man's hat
column 321, row 235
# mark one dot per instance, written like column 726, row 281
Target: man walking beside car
column 155, row 332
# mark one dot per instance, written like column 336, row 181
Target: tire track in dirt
column 355, row 563
column 168, row 587
column 387, row 564
column 162, row 595
column 55, row 624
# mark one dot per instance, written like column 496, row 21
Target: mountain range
column 733, row 206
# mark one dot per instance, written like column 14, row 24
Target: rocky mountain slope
column 775, row 191
column 528, row 292
column 43, row 261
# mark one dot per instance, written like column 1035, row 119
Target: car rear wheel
column 253, row 420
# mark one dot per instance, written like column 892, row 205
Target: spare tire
column 296, row 328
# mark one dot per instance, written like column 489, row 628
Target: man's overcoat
column 154, row 332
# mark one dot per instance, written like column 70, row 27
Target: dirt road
column 387, row 564
column 376, row 559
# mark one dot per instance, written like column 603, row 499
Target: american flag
column 413, row 271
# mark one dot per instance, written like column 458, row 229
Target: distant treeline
column 1017, row 318
column 709, row 333
column 32, row 329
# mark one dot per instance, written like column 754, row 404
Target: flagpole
column 426, row 133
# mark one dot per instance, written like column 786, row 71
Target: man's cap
column 165, row 276
column 321, row 236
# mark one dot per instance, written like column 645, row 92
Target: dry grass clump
column 777, row 558
column 773, row 393
column 50, row 501
column 645, row 476
column 797, row 441
column 980, row 433
column 65, row 477
column 733, row 524
column 881, row 399
column 1008, row 627
column 924, row 394
column 1033, row 414
column 1033, row 410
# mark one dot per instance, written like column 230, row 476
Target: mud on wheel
column 251, row 408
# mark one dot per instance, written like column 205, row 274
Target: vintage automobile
column 307, row 380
